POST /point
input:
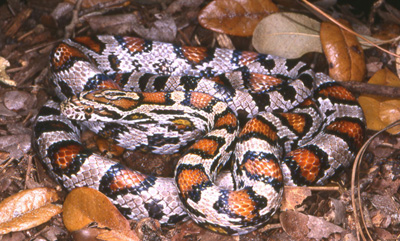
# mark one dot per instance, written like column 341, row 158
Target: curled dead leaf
column 84, row 206
column 28, row 209
column 343, row 52
column 235, row 17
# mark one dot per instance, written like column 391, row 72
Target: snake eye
column 88, row 110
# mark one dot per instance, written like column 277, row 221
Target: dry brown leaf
column 294, row 224
column 86, row 205
column 235, row 17
column 343, row 52
column 294, row 196
column 302, row 226
column 381, row 111
column 320, row 228
column 28, row 209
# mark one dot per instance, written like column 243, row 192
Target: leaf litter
column 27, row 52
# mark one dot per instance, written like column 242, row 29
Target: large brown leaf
column 28, row 209
column 84, row 206
column 343, row 52
column 235, row 17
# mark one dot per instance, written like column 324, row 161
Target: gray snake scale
column 276, row 120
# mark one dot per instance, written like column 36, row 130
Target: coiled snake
column 303, row 127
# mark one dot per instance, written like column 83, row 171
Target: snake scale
column 276, row 120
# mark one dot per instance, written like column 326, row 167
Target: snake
column 272, row 121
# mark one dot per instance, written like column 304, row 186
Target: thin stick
column 324, row 188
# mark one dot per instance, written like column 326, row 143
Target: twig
column 28, row 170
column 324, row 188
column 371, row 17
column 43, row 45
column 69, row 29
column 271, row 226
column 6, row 164
column 372, row 89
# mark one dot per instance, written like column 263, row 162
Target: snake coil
column 278, row 121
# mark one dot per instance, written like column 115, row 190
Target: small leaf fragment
column 4, row 78
column 28, row 209
column 85, row 205
column 398, row 60
column 343, row 52
column 235, row 17
column 385, row 77
column 108, row 148
column 289, row 35
column 294, row 196
column 389, row 112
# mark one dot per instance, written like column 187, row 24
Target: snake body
column 278, row 121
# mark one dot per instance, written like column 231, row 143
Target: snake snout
column 73, row 109
column 74, row 100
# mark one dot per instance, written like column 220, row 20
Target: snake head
column 74, row 109
column 100, row 105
